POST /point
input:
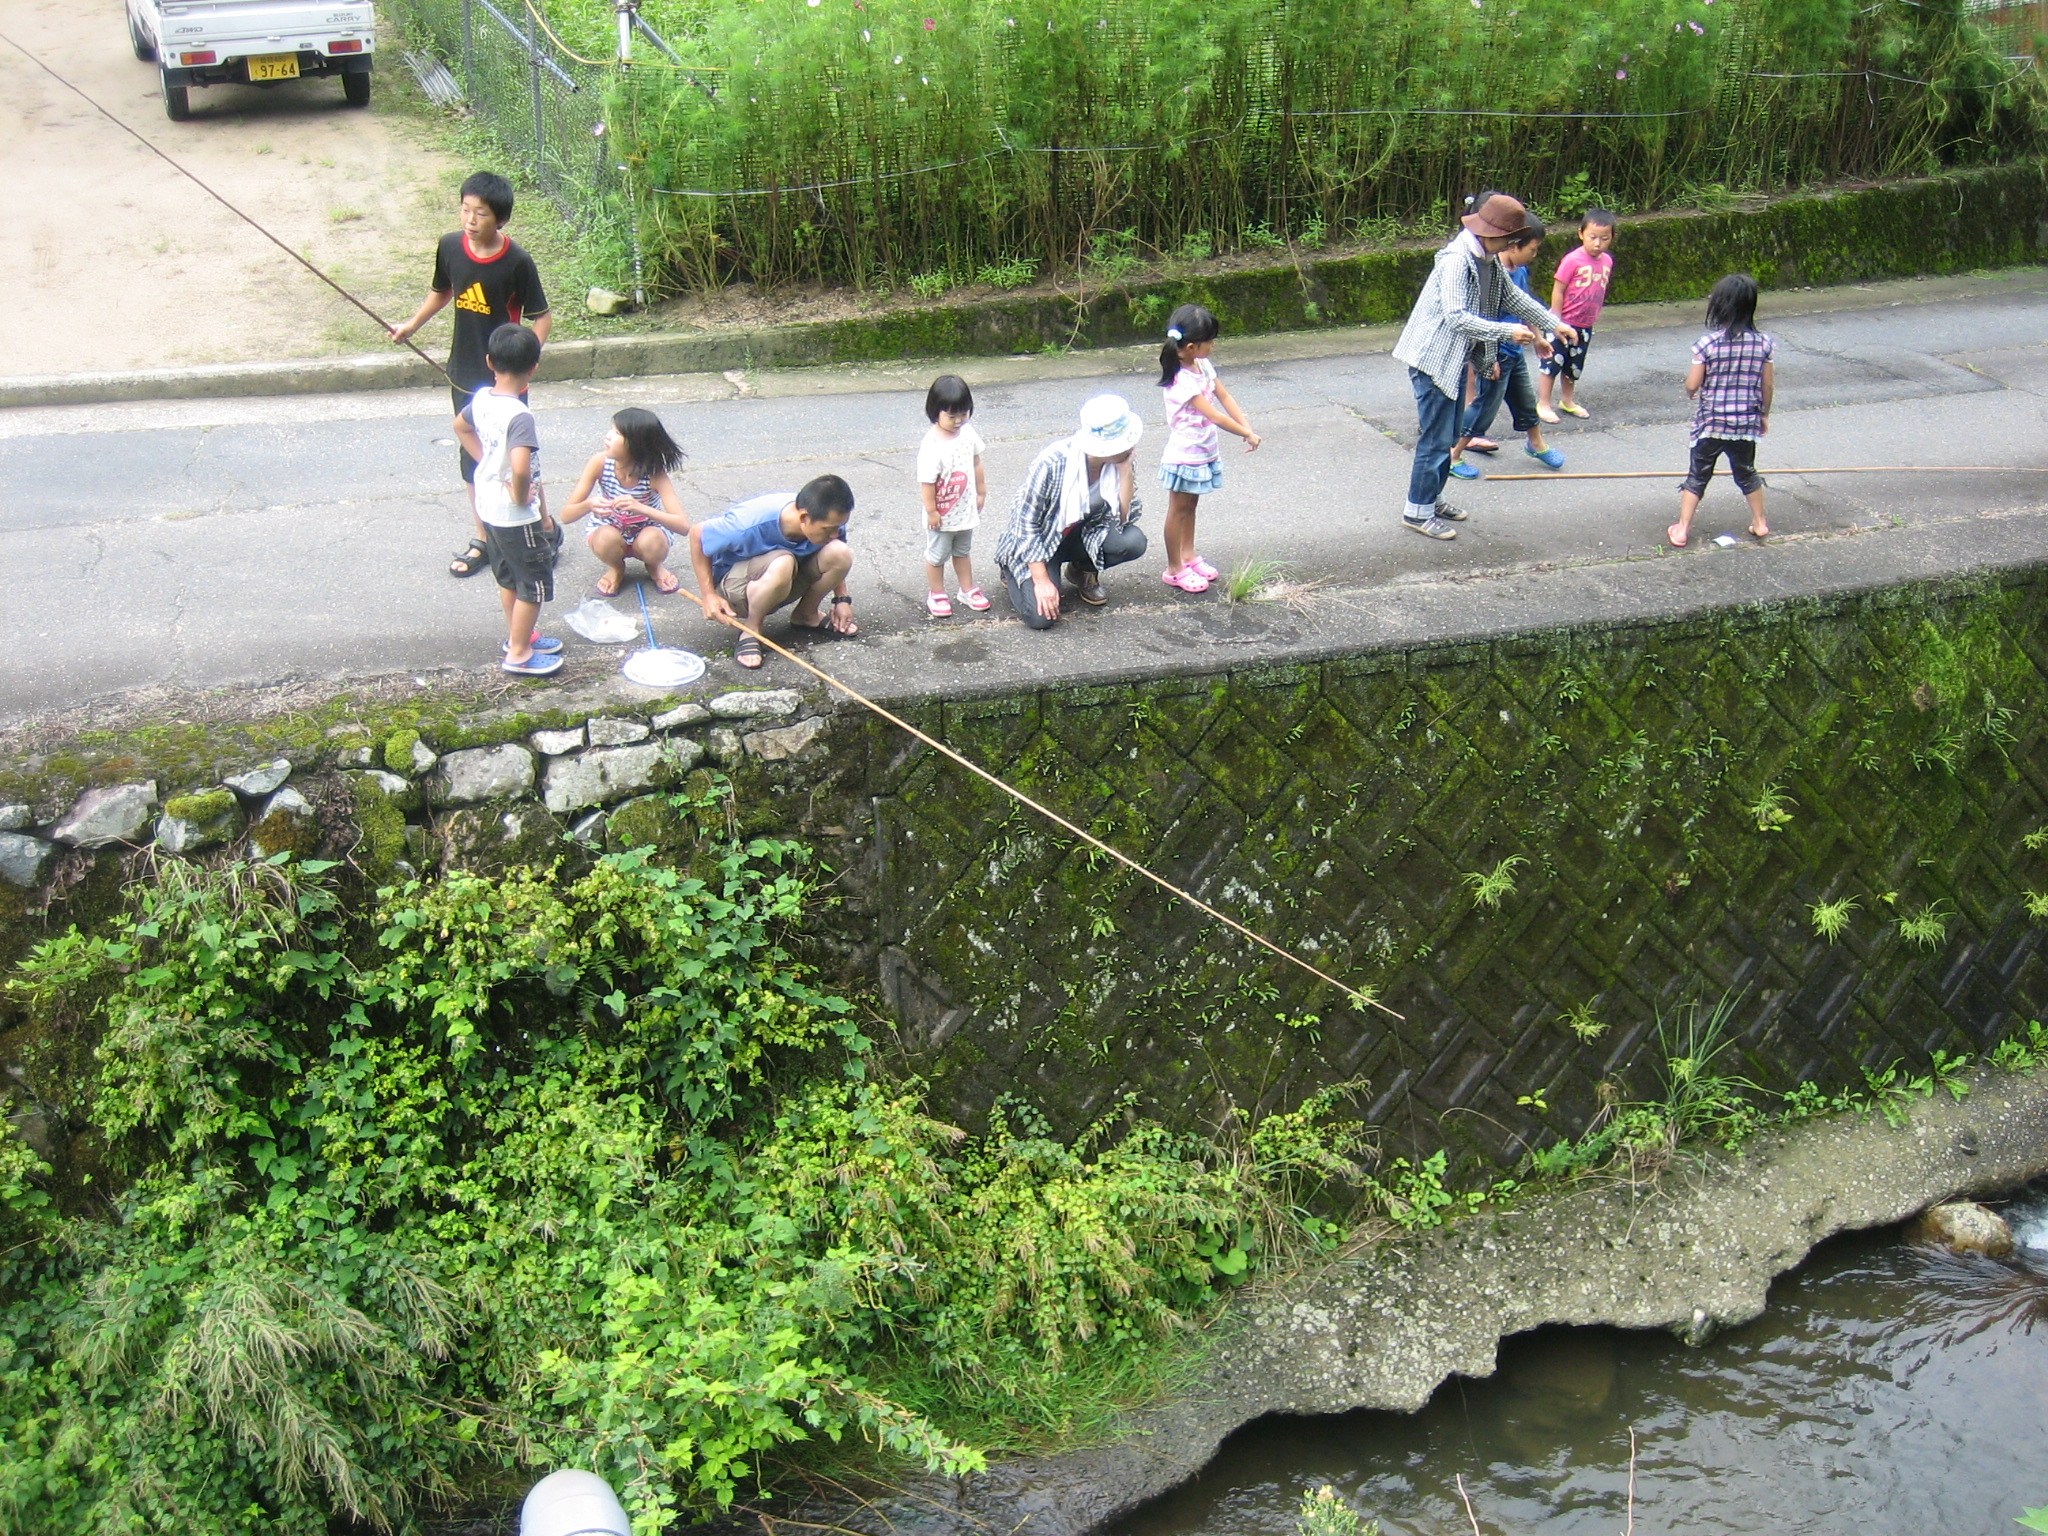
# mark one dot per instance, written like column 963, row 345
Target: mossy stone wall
column 1532, row 848
column 1666, row 801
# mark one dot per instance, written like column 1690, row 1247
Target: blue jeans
column 1515, row 387
column 1437, row 417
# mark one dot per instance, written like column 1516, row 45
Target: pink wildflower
column 1621, row 74
column 931, row 24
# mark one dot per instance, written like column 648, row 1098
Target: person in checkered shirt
column 1731, row 383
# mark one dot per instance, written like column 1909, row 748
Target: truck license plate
column 274, row 66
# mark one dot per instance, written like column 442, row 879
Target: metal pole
column 469, row 50
column 626, row 10
column 633, row 225
column 540, row 132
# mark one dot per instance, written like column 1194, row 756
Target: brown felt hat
column 1498, row 215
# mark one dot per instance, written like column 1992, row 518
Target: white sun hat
column 1109, row 427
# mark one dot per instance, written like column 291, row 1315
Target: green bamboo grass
column 869, row 141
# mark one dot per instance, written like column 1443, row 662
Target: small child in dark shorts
column 1578, row 292
column 1731, row 382
column 520, row 540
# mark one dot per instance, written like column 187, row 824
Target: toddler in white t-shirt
column 949, row 476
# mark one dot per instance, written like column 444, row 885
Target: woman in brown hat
column 1448, row 331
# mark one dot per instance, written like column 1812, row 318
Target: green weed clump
column 875, row 141
column 505, row 1174
column 1325, row 1512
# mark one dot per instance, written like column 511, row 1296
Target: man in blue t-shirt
column 774, row 549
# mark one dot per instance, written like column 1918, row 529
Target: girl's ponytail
column 1185, row 327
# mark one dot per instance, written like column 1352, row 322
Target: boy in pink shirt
column 1576, row 294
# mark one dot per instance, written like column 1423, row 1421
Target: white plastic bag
column 601, row 624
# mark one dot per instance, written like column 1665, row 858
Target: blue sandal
column 1549, row 458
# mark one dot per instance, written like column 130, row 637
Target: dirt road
column 119, row 262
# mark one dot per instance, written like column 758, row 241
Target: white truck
column 253, row 42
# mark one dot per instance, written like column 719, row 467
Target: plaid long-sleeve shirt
column 1452, row 319
column 1036, row 525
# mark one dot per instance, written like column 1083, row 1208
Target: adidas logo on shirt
column 473, row 300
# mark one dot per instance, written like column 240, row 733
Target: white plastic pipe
column 572, row 1503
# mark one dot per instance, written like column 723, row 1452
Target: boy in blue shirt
column 774, row 549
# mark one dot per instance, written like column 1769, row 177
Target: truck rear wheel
column 145, row 50
column 177, row 101
column 356, row 88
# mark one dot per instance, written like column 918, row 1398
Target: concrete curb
column 1966, row 221
column 608, row 358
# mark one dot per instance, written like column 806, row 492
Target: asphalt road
column 205, row 544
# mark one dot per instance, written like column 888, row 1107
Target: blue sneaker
column 539, row 664
column 1466, row 471
column 1549, row 458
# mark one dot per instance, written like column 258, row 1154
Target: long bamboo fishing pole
column 1838, row 469
column 1358, row 996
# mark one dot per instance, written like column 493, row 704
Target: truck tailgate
column 225, row 23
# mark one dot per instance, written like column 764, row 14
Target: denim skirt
column 1195, row 479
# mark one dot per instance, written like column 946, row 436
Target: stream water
column 1887, row 1391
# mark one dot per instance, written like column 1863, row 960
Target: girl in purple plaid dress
column 1731, row 384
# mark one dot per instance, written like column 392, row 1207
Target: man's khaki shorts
column 734, row 587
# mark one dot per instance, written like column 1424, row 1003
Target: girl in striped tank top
column 631, row 500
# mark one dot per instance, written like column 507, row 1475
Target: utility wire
column 188, row 174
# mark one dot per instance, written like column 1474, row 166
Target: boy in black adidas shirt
column 491, row 282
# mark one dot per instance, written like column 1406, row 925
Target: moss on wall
column 1661, row 806
column 381, row 819
column 184, row 753
column 207, row 805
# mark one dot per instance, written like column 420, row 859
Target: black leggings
column 1125, row 542
column 1741, row 464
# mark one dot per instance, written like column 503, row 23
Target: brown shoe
column 1089, row 585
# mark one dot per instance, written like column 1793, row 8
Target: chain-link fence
column 546, row 104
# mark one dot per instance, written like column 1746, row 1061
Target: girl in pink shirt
column 1190, row 466
column 1576, row 294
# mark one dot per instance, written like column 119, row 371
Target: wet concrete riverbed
column 1887, row 1391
